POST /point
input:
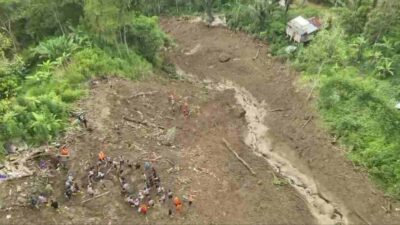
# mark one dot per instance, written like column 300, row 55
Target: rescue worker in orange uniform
column 64, row 151
column 102, row 156
column 178, row 204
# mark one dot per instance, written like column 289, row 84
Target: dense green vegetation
column 356, row 64
column 50, row 49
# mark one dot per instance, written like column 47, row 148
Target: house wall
column 290, row 31
column 298, row 38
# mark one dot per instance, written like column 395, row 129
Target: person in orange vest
column 190, row 199
column 185, row 109
column 178, row 204
column 64, row 151
column 143, row 209
column 102, row 156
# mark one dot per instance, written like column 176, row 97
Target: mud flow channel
column 324, row 210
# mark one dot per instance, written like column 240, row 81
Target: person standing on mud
column 82, row 119
column 54, row 204
column 90, row 190
column 185, row 108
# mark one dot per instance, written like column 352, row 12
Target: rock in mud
column 223, row 57
column 10, row 148
column 239, row 112
column 21, row 200
column 169, row 138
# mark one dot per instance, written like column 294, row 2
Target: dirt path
column 292, row 127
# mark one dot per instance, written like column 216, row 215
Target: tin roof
column 316, row 22
column 302, row 25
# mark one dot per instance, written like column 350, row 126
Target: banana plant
column 384, row 67
column 44, row 72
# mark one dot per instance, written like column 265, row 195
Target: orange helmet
column 64, row 151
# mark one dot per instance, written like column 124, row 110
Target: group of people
column 71, row 187
column 143, row 197
column 152, row 193
column 42, row 199
column 176, row 101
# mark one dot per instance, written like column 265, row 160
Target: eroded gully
column 324, row 210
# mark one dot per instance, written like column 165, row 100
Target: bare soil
column 196, row 163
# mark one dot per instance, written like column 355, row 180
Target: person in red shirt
column 143, row 209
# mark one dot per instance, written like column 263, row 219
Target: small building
column 303, row 30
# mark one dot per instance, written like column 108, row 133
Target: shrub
column 328, row 47
column 364, row 119
column 54, row 48
column 146, row 36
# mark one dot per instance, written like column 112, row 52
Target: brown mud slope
column 197, row 162
column 294, row 129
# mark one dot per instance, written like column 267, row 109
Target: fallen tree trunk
column 238, row 157
column 136, row 121
column 143, row 94
column 256, row 56
column 144, row 123
column 95, row 197
column 308, row 121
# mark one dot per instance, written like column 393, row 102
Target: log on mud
column 238, row 157
column 95, row 197
column 257, row 54
column 278, row 110
column 308, row 121
column 143, row 94
column 136, row 121
column 144, row 123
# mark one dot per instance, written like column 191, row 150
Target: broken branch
column 255, row 57
column 143, row 94
column 98, row 196
column 144, row 123
column 136, row 121
column 309, row 120
column 238, row 157
column 277, row 110
column 170, row 162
